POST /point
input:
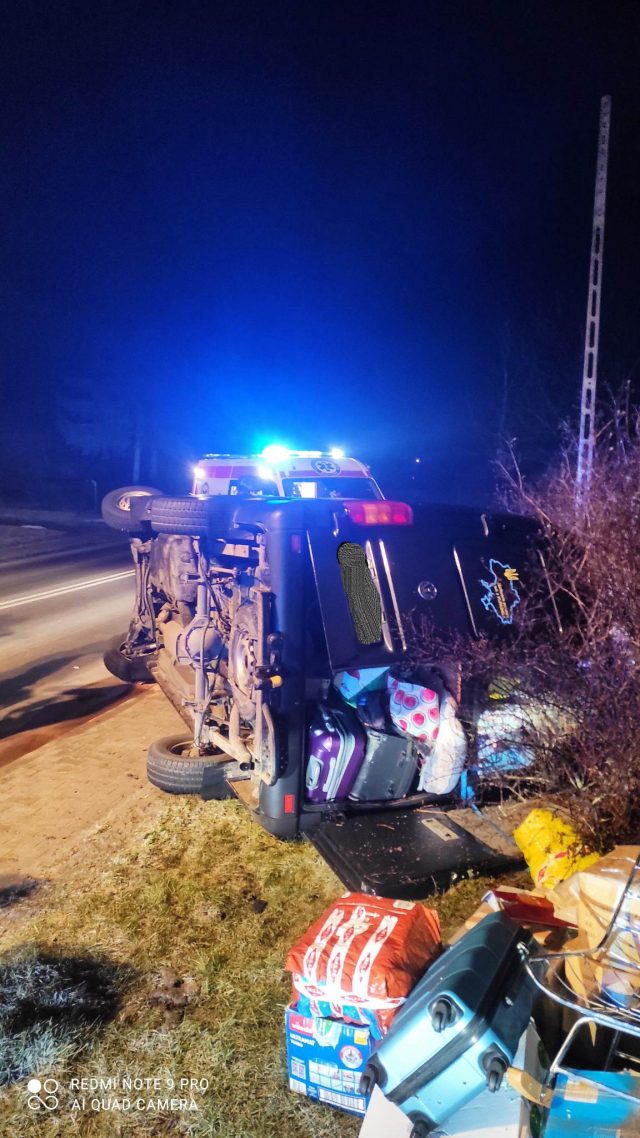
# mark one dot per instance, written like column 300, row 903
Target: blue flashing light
column 275, row 452
column 336, row 452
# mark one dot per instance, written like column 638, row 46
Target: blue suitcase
column 459, row 1029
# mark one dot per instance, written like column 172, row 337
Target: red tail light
column 380, row 513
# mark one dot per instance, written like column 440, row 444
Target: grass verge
column 176, row 951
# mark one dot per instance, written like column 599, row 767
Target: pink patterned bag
column 414, row 709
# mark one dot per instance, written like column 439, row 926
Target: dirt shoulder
column 82, row 797
column 69, row 804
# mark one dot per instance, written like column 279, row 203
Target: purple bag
column 336, row 751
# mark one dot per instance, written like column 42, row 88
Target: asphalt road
column 55, row 617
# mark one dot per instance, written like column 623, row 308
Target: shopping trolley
column 613, row 1001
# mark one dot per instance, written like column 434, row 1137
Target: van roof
column 303, row 463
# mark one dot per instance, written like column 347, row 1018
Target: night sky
column 362, row 224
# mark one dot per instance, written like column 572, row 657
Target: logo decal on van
column 324, row 466
column 501, row 597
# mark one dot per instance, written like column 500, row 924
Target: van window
column 359, row 488
column 253, row 487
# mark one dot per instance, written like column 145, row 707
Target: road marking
column 62, row 590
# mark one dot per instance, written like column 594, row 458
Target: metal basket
column 618, row 956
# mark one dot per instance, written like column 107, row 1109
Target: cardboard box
column 591, row 977
column 384, row 1119
column 528, row 909
column 589, row 898
column 325, row 1059
column 580, row 1108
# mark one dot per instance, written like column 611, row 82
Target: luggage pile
column 527, row 1024
column 382, row 737
column 351, row 972
column 387, row 733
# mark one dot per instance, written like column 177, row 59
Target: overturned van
column 280, row 630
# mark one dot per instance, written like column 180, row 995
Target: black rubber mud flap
column 406, row 854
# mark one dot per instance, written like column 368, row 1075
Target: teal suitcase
column 459, row 1029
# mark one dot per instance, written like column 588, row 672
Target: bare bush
column 568, row 682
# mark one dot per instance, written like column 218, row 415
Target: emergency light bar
column 277, row 453
column 380, row 513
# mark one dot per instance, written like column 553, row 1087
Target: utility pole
column 592, row 331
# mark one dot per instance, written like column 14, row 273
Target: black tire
column 131, row 669
column 189, row 515
column 127, row 509
column 172, row 770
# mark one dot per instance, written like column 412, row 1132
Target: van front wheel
column 129, row 669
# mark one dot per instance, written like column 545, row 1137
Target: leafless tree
column 568, row 690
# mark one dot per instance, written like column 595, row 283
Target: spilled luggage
column 336, row 751
column 551, row 848
column 381, row 737
column 506, row 1114
column 325, row 1058
column 442, row 766
column 458, row 1031
column 514, row 728
column 372, row 710
column 528, row 909
column 362, row 957
column 389, row 768
column 501, row 731
column 415, row 708
column 600, row 1103
column 357, row 681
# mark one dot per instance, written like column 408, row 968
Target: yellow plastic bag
column 551, row 848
